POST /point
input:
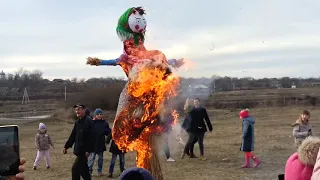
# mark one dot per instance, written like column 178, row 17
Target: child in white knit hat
column 43, row 142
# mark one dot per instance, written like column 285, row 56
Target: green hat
column 123, row 30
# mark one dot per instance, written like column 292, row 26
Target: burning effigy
column 151, row 84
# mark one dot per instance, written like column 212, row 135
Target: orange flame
column 175, row 116
column 150, row 85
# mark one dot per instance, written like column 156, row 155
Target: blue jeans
column 166, row 150
column 113, row 162
column 92, row 158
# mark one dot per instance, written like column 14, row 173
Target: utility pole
column 25, row 98
column 65, row 92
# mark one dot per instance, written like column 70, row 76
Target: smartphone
column 281, row 177
column 9, row 150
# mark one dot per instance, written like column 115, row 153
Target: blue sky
column 250, row 38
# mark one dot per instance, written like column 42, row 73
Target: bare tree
column 36, row 75
column 74, row 80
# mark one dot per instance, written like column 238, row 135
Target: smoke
column 174, row 140
column 190, row 88
column 196, row 87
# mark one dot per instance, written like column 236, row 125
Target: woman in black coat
column 186, row 125
column 115, row 152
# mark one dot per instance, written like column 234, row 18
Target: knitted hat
column 244, row 114
column 98, row 111
column 42, row 126
column 87, row 112
column 123, row 29
column 136, row 174
column 299, row 166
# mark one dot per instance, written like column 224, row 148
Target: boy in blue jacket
column 100, row 130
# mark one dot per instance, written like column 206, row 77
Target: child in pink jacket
column 300, row 165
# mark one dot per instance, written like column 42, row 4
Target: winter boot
column 247, row 161
column 256, row 162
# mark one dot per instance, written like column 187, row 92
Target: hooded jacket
column 300, row 165
column 101, row 129
column 42, row 139
column 300, row 131
column 247, row 134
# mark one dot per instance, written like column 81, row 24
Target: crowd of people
column 302, row 165
column 90, row 135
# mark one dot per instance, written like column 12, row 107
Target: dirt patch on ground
column 274, row 144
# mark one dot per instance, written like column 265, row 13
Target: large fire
column 151, row 84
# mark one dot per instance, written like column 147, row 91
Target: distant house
column 198, row 90
column 305, row 84
column 58, row 80
column 4, row 91
column 2, row 75
column 315, row 84
column 310, row 84
column 275, row 84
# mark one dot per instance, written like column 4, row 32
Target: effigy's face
column 137, row 23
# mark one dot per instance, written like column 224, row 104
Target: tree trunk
column 152, row 164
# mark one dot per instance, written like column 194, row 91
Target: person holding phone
column 10, row 153
column 82, row 139
column 18, row 176
column 302, row 128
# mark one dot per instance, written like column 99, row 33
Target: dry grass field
column 274, row 144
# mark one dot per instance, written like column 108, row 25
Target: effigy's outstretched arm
column 110, row 62
column 102, row 62
column 176, row 63
column 172, row 62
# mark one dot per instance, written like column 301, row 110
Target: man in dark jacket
column 81, row 137
column 101, row 130
column 197, row 128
